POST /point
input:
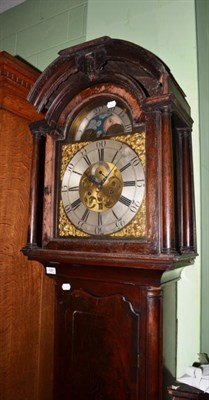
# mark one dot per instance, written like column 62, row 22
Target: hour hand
column 99, row 172
column 91, row 178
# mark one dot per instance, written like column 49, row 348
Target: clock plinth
column 112, row 209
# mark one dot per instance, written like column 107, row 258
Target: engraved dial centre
column 101, row 186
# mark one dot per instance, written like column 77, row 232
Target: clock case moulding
column 157, row 104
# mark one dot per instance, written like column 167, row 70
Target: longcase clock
column 112, row 209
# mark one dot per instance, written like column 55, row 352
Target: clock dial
column 103, row 187
column 105, row 119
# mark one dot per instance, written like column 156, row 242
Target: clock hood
column 99, row 61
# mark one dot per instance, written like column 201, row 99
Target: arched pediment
column 99, row 62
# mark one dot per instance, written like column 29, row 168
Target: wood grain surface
column 26, row 295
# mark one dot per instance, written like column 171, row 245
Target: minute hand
column 107, row 176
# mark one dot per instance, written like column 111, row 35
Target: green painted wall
column 168, row 29
column 37, row 29
column 202, row 16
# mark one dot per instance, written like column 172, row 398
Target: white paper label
column 66, row 286
column 51, row 270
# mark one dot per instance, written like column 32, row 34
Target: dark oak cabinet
column 102, row 333
column 112, row 209
column 100, row 346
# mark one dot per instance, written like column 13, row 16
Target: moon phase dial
column 107, row 118
column 103, row 187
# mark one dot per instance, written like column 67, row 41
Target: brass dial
column 103, row 187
